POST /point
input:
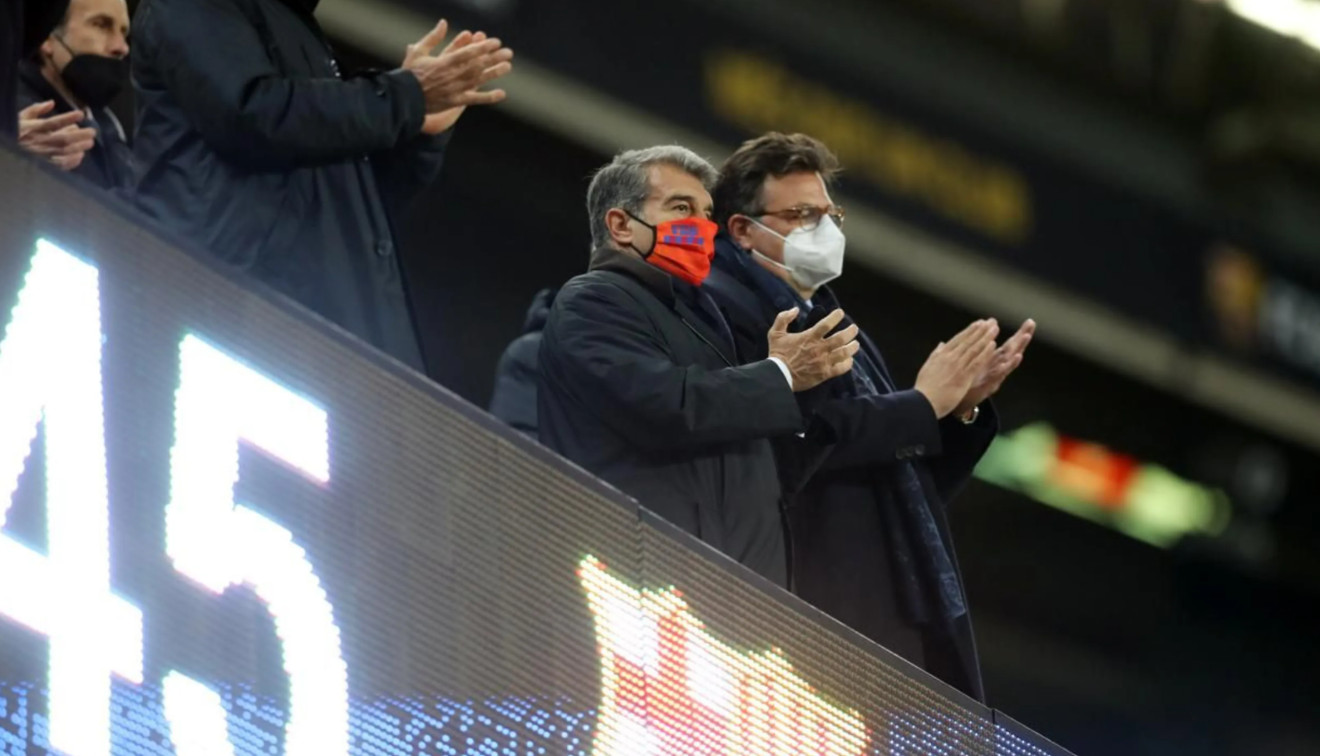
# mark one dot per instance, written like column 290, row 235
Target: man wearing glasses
column 867, row 483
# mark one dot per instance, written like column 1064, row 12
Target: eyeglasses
column 808, row 217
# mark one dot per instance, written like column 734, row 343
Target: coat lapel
column 698, row 326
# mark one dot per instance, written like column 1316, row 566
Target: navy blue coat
column 250, row 143
column 842, row 505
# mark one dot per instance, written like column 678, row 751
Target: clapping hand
column 813, row 356
column 451, row 81
column 1002, row 363
column 58, row 138
column 954, row 367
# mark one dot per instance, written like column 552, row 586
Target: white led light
column 196, row 716
column 219, row 544
column 50, row 364
column 636, row 635
column 710, row 683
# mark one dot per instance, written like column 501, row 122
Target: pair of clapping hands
column 957, row 376
column 452, row 80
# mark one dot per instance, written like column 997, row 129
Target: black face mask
column 94, row 79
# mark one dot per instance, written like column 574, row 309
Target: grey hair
column 626, row 182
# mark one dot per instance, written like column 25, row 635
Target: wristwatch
column 970, row 417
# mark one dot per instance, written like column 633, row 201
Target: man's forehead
column 670, row 180
column 802, row 187
column 116, row 9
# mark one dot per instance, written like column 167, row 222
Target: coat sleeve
column 601, row 349
column 214, row 63
column 964, row 445
column 877, row 430
column 407, row 169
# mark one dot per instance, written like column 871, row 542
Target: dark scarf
column 927, row 580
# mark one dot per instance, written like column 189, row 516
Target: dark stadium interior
column 1150, row 136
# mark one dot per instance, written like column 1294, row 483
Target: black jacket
column 639, row 389
column 841, row 517
column 109, row 164
column 24, row 25
column 516, row 375
column 250, row 143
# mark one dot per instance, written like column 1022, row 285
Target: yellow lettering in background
column 759, row 95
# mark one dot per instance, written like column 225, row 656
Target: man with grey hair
column 640, row 380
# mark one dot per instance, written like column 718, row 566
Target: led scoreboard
column 228, row 529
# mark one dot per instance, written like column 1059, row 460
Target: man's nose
column 119, row 46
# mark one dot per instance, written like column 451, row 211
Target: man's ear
column 47, row 49
column 620, row 227
column 740, row 230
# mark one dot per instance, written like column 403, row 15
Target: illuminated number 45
column 50, row 366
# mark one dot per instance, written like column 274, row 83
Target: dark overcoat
column 640, row 389
column 250, row 143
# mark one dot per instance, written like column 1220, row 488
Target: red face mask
column 683, row 247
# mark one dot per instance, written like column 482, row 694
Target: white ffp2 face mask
column 813, row 258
